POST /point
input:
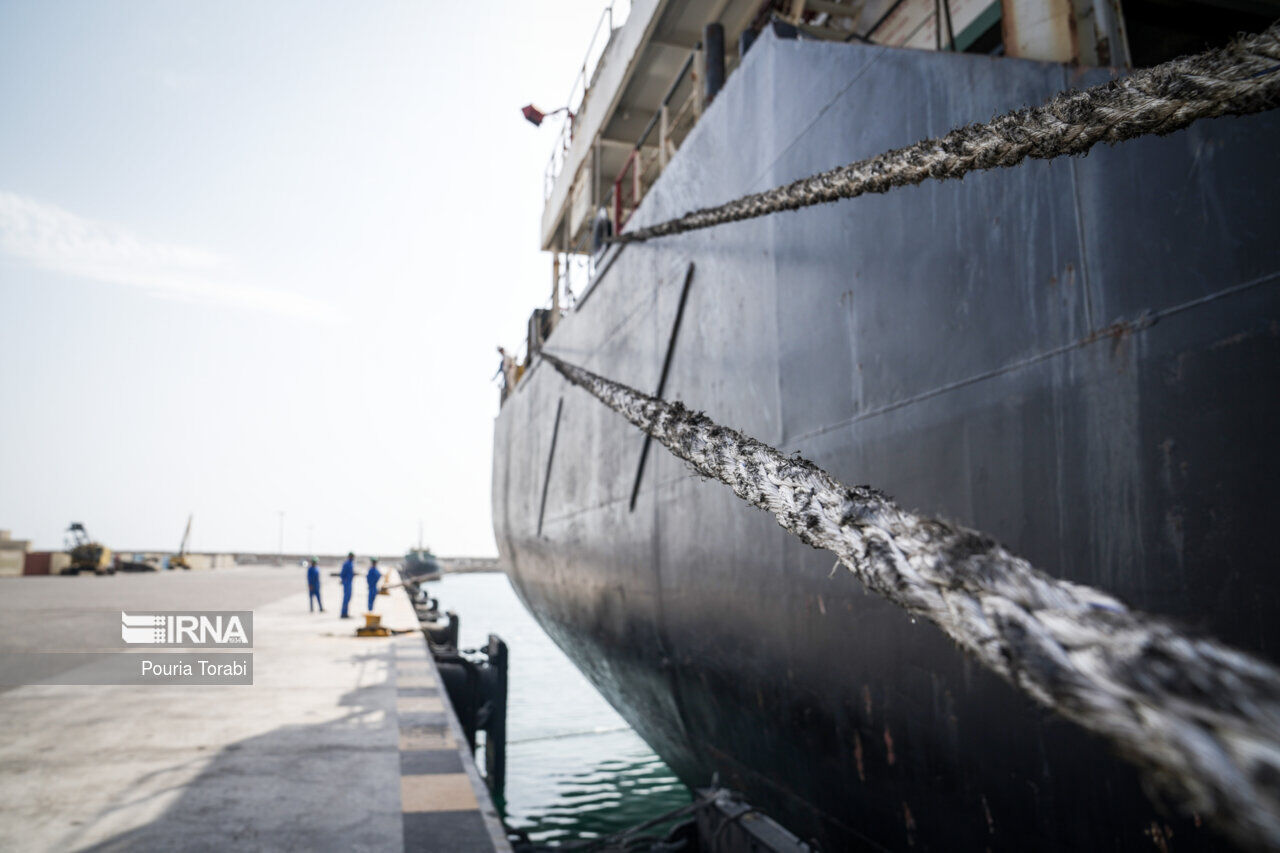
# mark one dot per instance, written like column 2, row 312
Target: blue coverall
column 348, row 575
column 373, row 575
column 313, row 589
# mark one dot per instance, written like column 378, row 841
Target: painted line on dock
column 444, row 803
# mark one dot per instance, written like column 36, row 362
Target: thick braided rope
column 1202, row 719
column 1239, row 79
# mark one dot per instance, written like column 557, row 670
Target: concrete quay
column 341, row 743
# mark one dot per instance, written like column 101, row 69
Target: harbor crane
column 179, row 560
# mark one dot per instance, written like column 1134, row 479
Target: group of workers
column 347, row 576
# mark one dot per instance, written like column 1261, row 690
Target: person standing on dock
column 313, row 586
column 373, row 575
column 348, row 576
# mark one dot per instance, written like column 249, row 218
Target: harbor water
column 575, row 769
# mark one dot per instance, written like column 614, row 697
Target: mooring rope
column 1239, row 79
column 1201, row 718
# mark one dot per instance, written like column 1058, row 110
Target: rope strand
column 1202, row 719
column 1238, row 79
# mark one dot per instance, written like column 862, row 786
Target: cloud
column 48, row 237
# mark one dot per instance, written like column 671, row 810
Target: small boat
column 420, row 565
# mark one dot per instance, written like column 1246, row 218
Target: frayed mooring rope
column 1202, row 719
column 1239, row 79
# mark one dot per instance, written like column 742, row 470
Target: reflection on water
column 587, row 786
column 575, row 769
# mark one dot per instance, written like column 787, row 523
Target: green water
column 575, row 769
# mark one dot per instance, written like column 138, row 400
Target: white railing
column 612, row 17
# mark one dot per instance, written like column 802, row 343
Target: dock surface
column 341, row 743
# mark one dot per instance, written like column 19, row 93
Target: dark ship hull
column 1078, row 357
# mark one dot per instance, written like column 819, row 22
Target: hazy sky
column 256, row 256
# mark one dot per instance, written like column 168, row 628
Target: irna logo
column 188, row 628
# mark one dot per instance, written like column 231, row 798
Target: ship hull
column 1077, row 357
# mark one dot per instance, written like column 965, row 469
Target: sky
column 255, row 258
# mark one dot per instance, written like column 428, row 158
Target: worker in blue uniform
column 373, row 576
column 348, row 576
column 313, row 586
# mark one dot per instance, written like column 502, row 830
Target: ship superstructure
column 646, row 76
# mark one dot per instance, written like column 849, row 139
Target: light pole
column 280, row 552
